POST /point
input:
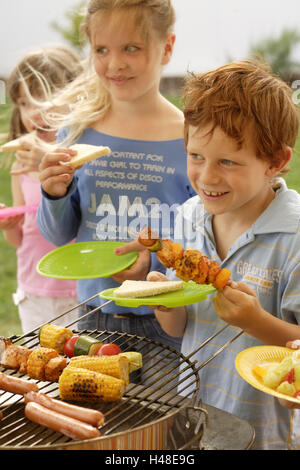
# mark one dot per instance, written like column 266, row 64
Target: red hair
column 244, row 95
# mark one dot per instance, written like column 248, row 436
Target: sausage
column 87, row 415
column 17, row 385
column 60, row 423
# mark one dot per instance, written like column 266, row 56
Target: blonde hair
column 244, row 95
column 87, row 99
column 41, row 72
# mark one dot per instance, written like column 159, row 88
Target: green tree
column 72, row 32
column 277, row 52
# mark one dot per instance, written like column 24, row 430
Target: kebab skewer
column 189, row 264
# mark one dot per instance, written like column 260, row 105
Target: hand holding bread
column 55, row 178
column 57, row 168
column 29, row 154
column 29, row 150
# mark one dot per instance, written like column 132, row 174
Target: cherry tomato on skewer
column 69, row 345
column 109, row 349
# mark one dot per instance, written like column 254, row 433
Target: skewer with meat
column 190, row 265
column 40, row 363
column 13, row 356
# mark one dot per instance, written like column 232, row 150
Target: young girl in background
column 117, row 103
column 39, row 299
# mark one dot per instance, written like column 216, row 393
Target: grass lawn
column 9, row 320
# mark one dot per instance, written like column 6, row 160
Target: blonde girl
column 38, row 73
column 116, row 102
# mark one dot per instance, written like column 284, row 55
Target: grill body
column 159, row 410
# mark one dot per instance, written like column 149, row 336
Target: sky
column 209, row 32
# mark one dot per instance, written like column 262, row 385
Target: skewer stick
column 134, row 235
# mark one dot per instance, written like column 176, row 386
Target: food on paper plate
column 138, row 289
column 284, row 376
column 190, row 265
column 117, row 366
column 12, row 146
column 87, row 415
column 54, row 337
column 71, row 427
column 17, row 385
column 86, row 153
column 84, row 385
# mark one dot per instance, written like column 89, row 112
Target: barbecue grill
column 159, row 411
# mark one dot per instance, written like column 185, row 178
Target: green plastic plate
column 190, row 294
column 85, row 260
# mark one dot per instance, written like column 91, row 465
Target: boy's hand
column 172, row 320
column 55, row 174
column 237, row 305
column 156, row 276
column 139, row 270
column 295, row 344
column 31, row 154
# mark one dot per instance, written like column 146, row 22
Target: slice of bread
column 87, row 153
column 137, row 289
column 12, row 146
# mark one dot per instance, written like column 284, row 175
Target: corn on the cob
column 135, row 360
column 37, row 362
column 53, row 336
column 77, row 384
column 116, row 366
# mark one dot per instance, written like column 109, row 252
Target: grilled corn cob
column 37, row 362
column 77, row 384
column 116, row 366
column 53, row 336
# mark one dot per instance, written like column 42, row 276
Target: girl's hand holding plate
column 9, row 223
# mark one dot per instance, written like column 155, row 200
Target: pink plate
column 18, row 210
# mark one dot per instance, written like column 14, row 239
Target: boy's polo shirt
column 267, row 258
